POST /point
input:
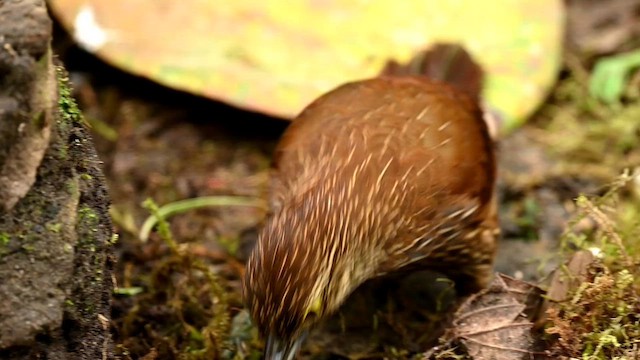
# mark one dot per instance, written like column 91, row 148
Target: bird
column 377, row 176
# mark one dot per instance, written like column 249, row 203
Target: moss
column 28, row 248
column 54, row 227
column 72, row 186
column 88, row 216
column 4, row 238
column 89, row 221
column 588, row 138
column 193, row 298
column 63, row 152
column 114, row 239
column 68, row 110
column 601, row 319
column 231, row 245
column 68, row 248
column 528, row 217
column 66, row 103
column 592, row 141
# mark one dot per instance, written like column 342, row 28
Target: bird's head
column 297, row 275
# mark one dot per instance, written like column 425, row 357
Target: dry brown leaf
column 493, row 324
column 526, row 293
column 569, row 277
column 564, row 279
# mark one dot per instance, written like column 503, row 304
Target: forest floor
column 164, row 145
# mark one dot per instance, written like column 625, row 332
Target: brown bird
column 374, row 177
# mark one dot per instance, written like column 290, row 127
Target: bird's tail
column 452, row 64
column 449, row 63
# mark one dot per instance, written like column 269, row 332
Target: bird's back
column 419, row 150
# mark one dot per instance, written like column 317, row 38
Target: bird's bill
column 279, row 349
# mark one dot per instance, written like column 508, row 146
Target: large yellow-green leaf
column 275, row 56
